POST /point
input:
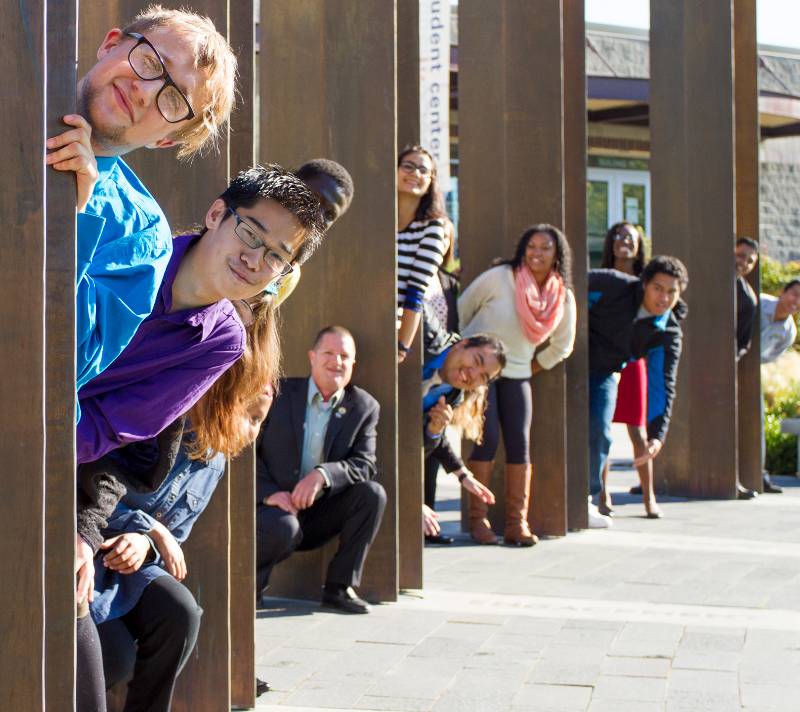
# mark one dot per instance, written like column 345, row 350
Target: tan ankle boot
column 479, row 528
column 518, row 490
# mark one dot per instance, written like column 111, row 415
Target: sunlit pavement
column 697, row 611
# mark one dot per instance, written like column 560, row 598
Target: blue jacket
column 176, row 504
column 123, row 249
column 617, row 336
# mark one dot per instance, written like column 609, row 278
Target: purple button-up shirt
column 172, row 360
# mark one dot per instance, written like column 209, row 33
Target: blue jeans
column 602, row 403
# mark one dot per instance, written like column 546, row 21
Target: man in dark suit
column 316, row 468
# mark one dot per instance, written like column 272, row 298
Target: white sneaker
column 597, row 520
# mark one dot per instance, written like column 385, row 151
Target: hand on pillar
column 84, row 571
column 75, row 153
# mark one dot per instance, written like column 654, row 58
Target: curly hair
column 563, row 261
column 431, row 205
column 607, row 260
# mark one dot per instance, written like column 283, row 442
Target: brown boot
column 479, row 528
column 518, row 491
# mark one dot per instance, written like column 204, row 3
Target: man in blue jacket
column 630, row 318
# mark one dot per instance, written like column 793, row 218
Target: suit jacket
column 348, row 452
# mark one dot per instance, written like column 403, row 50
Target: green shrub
column 774, row 274
column 781, row 449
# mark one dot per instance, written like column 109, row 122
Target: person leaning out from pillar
column 165, row 80
column 421, row 227
column 192, row 336
column 333, row 186
column 631, row 318
column 455, row 377
column 746, row 252
column 778, row 334
column 147, row 620
column 623, row 250
column 526, row 302
column 316, row 469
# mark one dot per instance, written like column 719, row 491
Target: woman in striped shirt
column 421, row 243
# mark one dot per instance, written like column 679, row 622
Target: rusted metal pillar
column 37, row 353
column 409, row 373
column 746, row 113
column 327, row 82
column 577, row 365
column 511, row 115
column 692, row 168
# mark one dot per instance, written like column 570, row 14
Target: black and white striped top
column 420, row 251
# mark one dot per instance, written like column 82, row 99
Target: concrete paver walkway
column 698, row 611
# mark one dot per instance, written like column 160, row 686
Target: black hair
column 497, row 346
column 275, row 183
column 325, row 167
column 431, row 205
column 607, row 260
column 749, row 241
column 563, row 261
column 666, row 264
column 791, row 283
column 332, row 329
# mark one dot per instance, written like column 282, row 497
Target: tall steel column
column 327, row 82
column 692, row 168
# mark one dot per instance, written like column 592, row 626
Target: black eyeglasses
column 146, row 62
column 275, row 263
column 409, row 167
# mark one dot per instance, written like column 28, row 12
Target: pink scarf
column 539, row 310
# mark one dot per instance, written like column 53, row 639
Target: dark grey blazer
column 349, row 450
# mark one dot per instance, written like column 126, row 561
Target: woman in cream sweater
column 527, row 302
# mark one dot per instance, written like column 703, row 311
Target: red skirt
column 632, row 394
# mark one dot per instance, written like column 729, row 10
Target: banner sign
column 434, row 84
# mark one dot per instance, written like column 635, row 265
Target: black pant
column 90, row 692
column 152, row 643
column 353, row 515
column 431, row 472
column 510, row 407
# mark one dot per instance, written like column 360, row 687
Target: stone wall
column 780, row 210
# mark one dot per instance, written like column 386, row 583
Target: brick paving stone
column 552, row 672
column 630, row 689
column 771, row 696
column 393, row 704
column 636, row 667
column 622, row 706
column 552, row 698
column 328, row 691
column 706, row 660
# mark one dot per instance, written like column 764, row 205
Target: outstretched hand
column 651, row 449
column 72, row 151
column 430, row 521
column 481, row 491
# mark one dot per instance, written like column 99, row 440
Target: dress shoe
column 636, row 489
column 261, row 687
column 770, row 487
column 743, row 493
column 438, row 539
column 343, row 598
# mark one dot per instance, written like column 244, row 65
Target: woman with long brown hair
column 421, row 246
